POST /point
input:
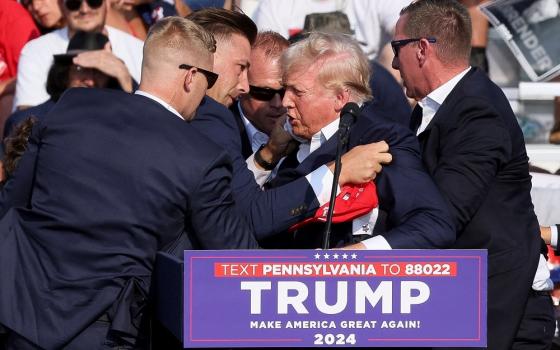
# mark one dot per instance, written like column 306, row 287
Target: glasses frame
column 264, row 93
column 211, row 77
column 93, row 4
column 397, row 44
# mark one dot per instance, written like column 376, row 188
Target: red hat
column 352, row 202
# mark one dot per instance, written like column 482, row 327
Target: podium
column 307, row 298
column 167, row 302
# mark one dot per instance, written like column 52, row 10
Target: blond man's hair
column 343, row 64
column 176, row 38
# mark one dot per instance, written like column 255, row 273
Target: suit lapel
column 246, row 148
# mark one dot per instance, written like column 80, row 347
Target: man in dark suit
column 474, row 149
column 113, row 178
column 272, row 211
column 321, row 74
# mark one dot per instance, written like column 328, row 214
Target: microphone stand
column 343, row 134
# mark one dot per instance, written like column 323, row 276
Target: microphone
column 348, row 115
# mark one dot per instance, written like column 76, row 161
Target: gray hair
column 343, row 63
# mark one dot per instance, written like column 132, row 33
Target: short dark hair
column 446, row 20
column 223, row 23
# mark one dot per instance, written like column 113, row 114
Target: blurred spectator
column 16, row 29
column 196, row 5
column 64, row 74
column 372, row 21
column 124, row 15
column 87, row 15
column 46, row 13
column 555, row 132
column 479, row 38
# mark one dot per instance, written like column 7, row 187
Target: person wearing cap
column 85, row 15
column 321, row 74
column 109, row 179
column 64, row 74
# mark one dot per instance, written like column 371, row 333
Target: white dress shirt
column 256, row 137
column 431, row 103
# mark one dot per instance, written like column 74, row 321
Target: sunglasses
column 265, row 94
column 397, row 44
column 74, row 5
column 211, row 77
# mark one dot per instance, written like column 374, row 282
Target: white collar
column 256, row 137
column 318, row 139
column 160, row 101
column 435, row 98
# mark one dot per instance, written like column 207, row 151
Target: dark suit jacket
column 475, row 151
column 115, row 177
column 416, row 214
column 246, row 147
column 268, row 212
column 389, row 99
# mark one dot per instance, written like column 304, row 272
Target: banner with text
column 306, row 298
column 531, row 29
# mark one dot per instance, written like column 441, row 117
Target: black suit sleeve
column 470, row 161
column 417, row 214
column 267, row 212
column 213, row 216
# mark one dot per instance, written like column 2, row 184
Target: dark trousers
column 537, row 325
column 95, row 337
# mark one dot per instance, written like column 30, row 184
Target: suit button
column 293, row 212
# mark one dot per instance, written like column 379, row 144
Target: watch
column 261, row 162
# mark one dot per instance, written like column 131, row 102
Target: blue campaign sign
column 306, row 298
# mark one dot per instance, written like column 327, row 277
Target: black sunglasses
column 211, row 77
column 265, row 94
column 74, row 5
column 397, row 44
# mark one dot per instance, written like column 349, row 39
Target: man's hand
column 545, row 234
column 279, row 145
column 362, row 163
column 107, row 63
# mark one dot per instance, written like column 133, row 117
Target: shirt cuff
column 261, row 176
column 542, row 281
column 376, row 243
column 364, row 224
column 554, row 236
column 321, row 180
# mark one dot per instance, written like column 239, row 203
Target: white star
column 326, row 255
column 317, row 256
column 335, row 256
column 354, row 256
column 344, row 256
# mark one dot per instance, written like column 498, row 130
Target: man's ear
column 425, row 50
column 341, row 98
column 188, row 81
